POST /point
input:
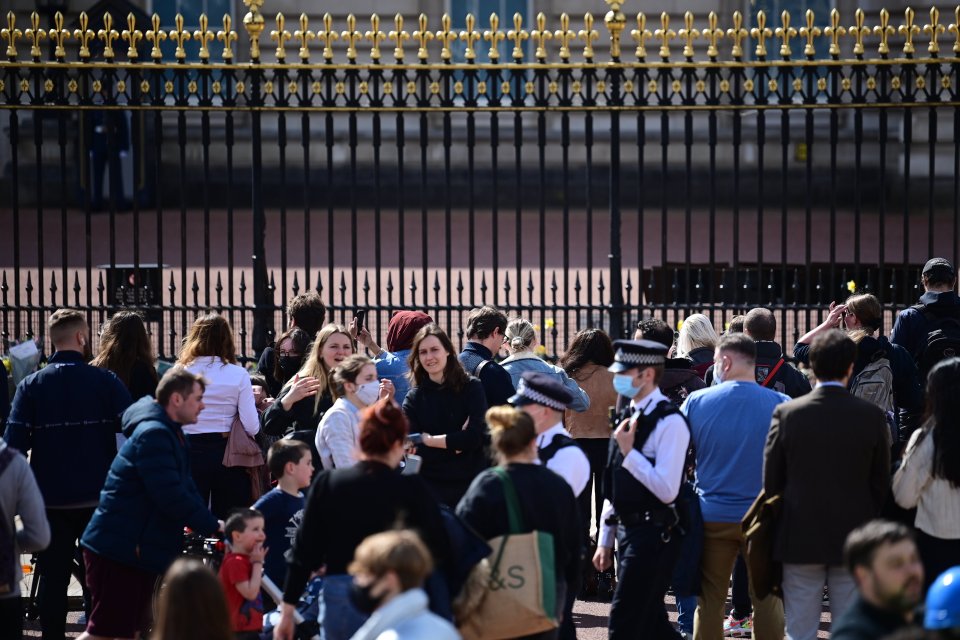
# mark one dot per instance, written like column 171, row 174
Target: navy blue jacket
column 496, row 381
column 68, row 415
column 149, row 495
column 4, row 395
column 911, row 328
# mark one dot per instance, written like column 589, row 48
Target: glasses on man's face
column 293, row 354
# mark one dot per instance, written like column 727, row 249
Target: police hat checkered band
column 528, row 392
column 639, row 358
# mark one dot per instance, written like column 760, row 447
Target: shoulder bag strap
column 477, row 369
column 772, row 373
column 514, row 516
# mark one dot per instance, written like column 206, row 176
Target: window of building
column 481, row 10
column 191, row 10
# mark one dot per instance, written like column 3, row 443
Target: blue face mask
column 624, row 385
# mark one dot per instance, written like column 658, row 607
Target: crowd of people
column 698, row 461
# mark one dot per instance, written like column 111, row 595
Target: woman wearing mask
column 356, row 386
column 929, row 477
column 309, row 393
column 521, row 340
column 345, row 506
column 446, row 407
column 126, row 350
column 291, row 350
column 208, row 350
column 392, row 361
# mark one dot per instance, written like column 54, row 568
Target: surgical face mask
column 363, row 599
column 369, row 392
column 623, row 385
column 718, row 371
column 289, row 365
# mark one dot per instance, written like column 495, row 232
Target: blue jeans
column 340, row 618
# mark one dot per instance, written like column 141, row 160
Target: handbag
column 759, row 526
column 242, row 450
column 521, row 592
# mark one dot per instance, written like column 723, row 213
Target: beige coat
column 595, row 421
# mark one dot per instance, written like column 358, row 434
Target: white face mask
column 718, row 371
column 369, row 392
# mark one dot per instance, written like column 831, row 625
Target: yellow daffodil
column 851, row 286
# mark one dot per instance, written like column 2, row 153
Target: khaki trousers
column 721, row 543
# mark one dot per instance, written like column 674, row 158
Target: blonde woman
column 306, row 396
column 209, row 351
column 521, row 341
column 356, row 387
column 696, row 342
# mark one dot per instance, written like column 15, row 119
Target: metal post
column 615, row 21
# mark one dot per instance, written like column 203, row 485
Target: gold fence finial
column 954, row 28
column 713, row 34
column 59, row 35
column 588, row 34
column 615, row 21
column 858, row 31
column 280, row 36
column 760, row 33
column 328, row 35
column 884, row 30
column 640, row 35
column 785, row 32
column 518, row 34
column 665, row 34
column 908, row 30
column 155, row 36
column 564, row 35
column 540, row 35
column 375, row 36
column 132, row 36
column 688, row 34
column 304, row 35
column 494, row 36
column 811, row 32
column 934, row 29
column 227, row 36
column 398, row 35
column 204, row 36
column 84, row 34
column 35, row 34
column 446, row 36
column 254, row 23
column 351, row 36
column 109, row 35
column 738, row 34
column 179, row 35
column 10, row 33
column 834, row 31
column 422, row 35
column 470, row 35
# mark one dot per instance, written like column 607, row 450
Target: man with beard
column 883, row 559
column 67, row 415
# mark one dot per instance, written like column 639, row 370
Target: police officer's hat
column 541, row 388
column 631, row 354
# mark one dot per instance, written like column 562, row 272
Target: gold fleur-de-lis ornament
column 109, row 35
column 227, row 36
column 665, row 34
column 688, row 34
column 422, row 35
column 304, row 35
column 35, row 34
column 884, row 30
column 540, row 35
column 858, row 31
column 471, row 36
column 811, row 32
column 446, row 36
column 59, row 35
column 494, row 35
column 934, row 29
column 155, row 36
column 281, row 36
column 713, row 35
column 374, row 36
column 834, row 31
column 351, row 36
column 760, row 33
column 328, row 35
column 11, row 34
column 398, row 35
column 738, row 34
column 179, row 35
column 132, row 36
column 588, row 34
column 785, row 32
column 908, row 30
column 84, row 34
column 565, row 36
column 954, row 28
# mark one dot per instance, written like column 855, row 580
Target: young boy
column 241, row 571
column 291, row 464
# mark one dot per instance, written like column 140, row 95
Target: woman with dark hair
column 126, row 350
column 346, row 505
column 586, row 361
column 392, row 361
column 192, row 605
column 209, row 351
column 446, row 407
column 291, row 350
column 861, row 316
column 545, row 500
column 929, row 476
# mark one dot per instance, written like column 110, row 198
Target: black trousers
column 11, row 618
column 937, row 554
column 224, row 488
column 740, row 592
column 645, row 566
column 55, row 565
column 596, row 452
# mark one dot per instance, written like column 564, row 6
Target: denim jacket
column 524, row 361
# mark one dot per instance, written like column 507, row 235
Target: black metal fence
column 565, row 177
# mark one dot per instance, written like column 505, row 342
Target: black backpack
column 943, row 340
column 8, row 538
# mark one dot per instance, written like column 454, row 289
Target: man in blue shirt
column 728, row 427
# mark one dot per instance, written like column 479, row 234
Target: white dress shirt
column 228, row 393
column 668, row 445
column 570, row 463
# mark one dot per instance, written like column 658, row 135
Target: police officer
column 641, row 483
column 544, row 399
